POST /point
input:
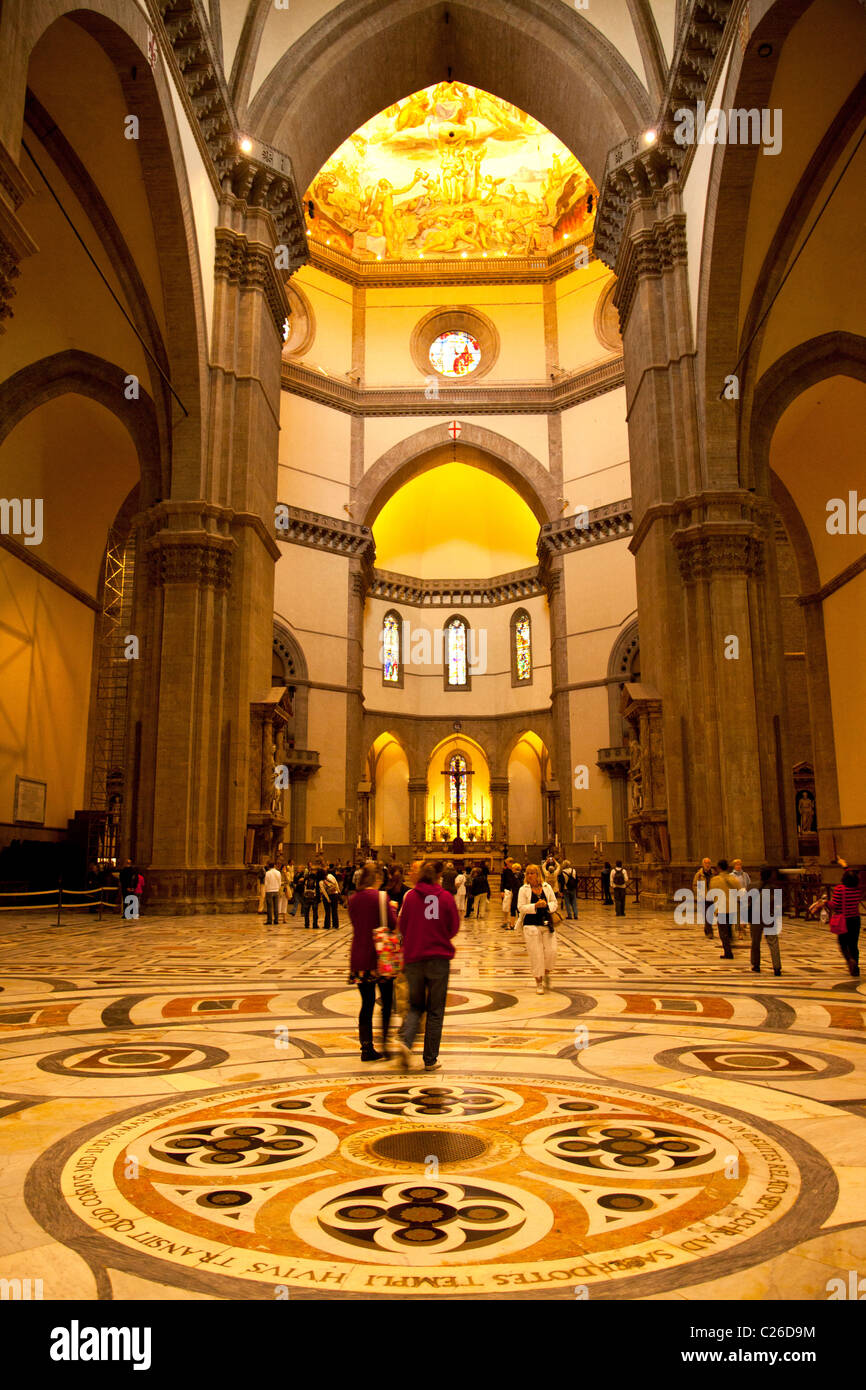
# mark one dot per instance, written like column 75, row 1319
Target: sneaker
column 539, row 989
column 432, row 1066
column 404, row 1055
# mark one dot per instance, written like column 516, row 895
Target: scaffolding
column 108, row 756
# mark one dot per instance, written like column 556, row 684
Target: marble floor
column 184, row 1115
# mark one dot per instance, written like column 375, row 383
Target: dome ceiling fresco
column 450, row 170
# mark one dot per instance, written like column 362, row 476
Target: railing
column 95, row 899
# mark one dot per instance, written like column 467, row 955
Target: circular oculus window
column 455, row 353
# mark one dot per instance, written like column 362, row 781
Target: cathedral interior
column 431, row 431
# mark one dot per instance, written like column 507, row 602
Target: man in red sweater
column 429, row 921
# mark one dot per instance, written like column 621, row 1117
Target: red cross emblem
column 455, row 429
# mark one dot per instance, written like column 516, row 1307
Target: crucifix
column 455, row 774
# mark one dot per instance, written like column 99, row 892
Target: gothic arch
column 581, row 88
column 84, row 374
column 121, row 30
column 830, row 354
column 720, row 339
column 288, row 650
column 480, row 447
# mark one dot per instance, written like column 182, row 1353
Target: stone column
column 561, row 752
column 207, row 611
column 704, row 571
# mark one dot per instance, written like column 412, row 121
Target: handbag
column 838, row 925
column 388, row 943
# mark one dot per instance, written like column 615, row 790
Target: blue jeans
column 428, row 989
column 570, row 900
column 272, row 905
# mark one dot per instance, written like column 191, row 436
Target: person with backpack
column 481, row 891
column 330, row 892
column 508, row 887
column 725, row 884
column 606, row 872
column 310, row 897
column 567, row 885
column 429, row 921
column 619, row 882
column 367, row 912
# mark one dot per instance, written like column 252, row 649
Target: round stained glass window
column 455, row 353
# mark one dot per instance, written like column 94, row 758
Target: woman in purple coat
column 364, row 914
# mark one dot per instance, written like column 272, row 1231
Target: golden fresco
column 450, row 171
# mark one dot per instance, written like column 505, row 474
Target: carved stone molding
column 510, row 270
column 650, row 251
column 572, row 388
column 608, row 523
column 460, row 593
column 324, row 532
column 635, row 169
column 262, row 176
column 15, row 242
column 199, row 558
column 251, row 265
column 718, row 548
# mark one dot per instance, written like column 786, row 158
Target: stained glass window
column 391, row 649
column 457, row 652
column 457, row 763
column 455, row 353
column 523, row 647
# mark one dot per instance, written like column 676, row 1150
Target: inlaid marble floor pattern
column 184, row 1115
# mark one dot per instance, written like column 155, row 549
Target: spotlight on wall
column 246, row 144
column 649, row 137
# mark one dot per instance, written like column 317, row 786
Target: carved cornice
column 716, row 548
column 650, row 251
column 710, row 505
column 489, row 399
column 251, row 265
column 346, row 538
column 324, row 533
column 199, row 558
column 609, row 523
column 496, row 270
column 263, row 176
column 460, row 593
column 637, row 170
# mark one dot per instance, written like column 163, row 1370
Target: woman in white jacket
column 535, row 903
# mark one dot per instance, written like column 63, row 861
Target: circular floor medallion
column 309, row 1185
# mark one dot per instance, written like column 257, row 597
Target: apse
column 455, row 521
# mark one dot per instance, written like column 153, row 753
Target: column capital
column 713, row 549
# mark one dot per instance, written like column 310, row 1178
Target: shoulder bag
column 386, row 939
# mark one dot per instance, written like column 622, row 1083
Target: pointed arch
column 542, row 55
column 479, row 447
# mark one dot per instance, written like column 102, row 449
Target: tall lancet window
column 457, row 654
column 521, row 648
column 392, row 650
